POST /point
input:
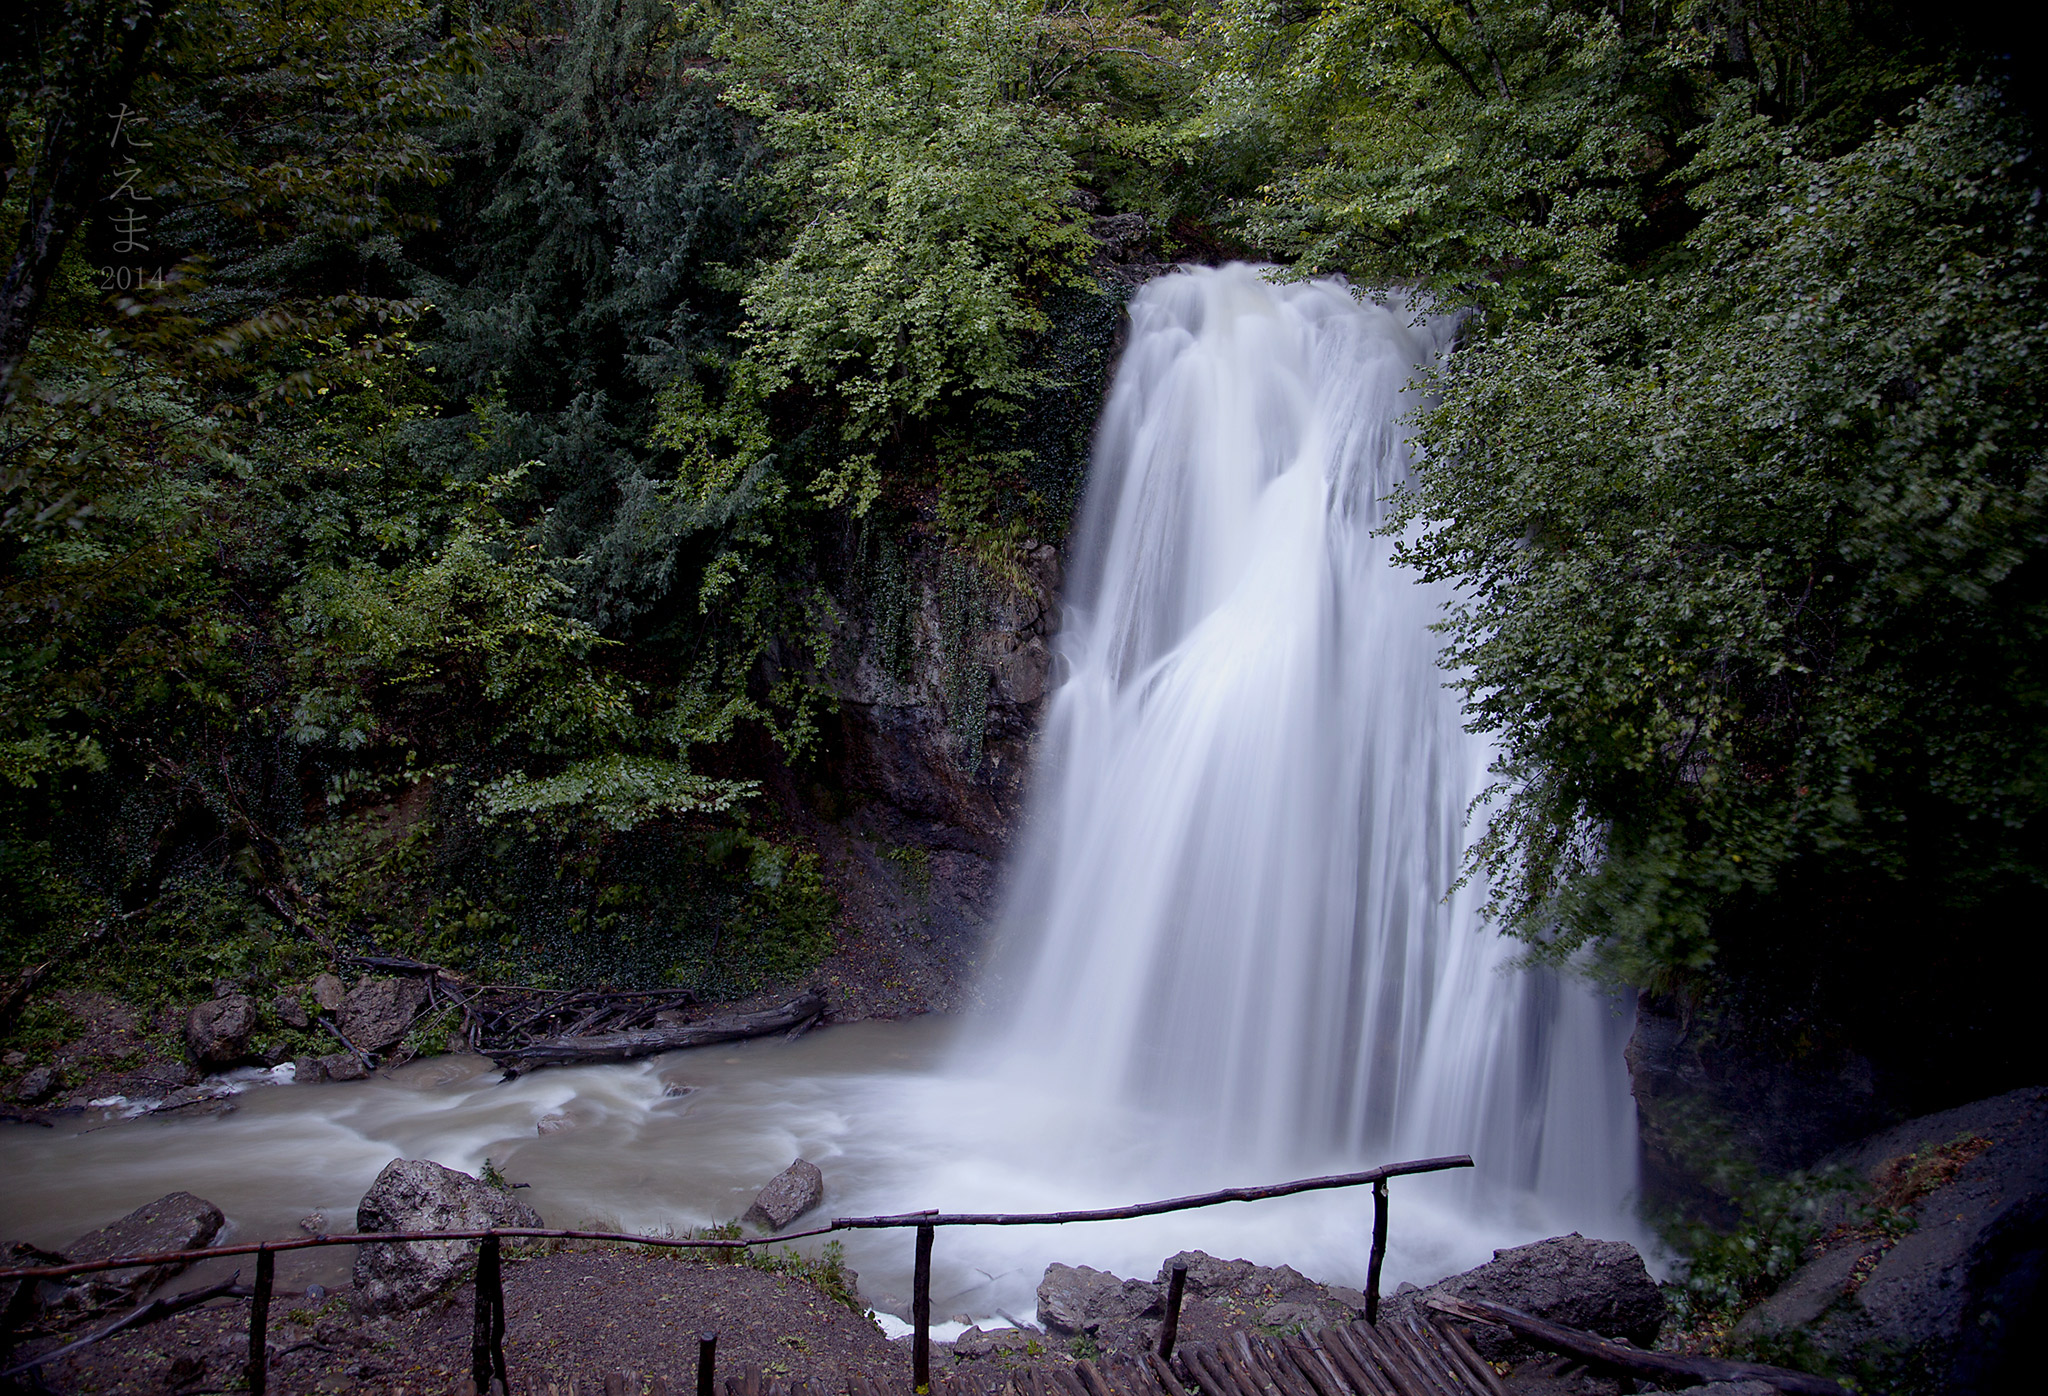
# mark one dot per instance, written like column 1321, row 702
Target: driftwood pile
column 522, row 1028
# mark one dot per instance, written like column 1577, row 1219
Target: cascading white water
column 1230, row 906
column 1235, row 960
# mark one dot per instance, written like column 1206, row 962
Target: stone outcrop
column 790, row 1194
column 176, row 1222
column 1006, row 1342
column 378, row 1013
column 217, row 1032
column 1949, row 1304
column 1713, row 1088
column 1075, row 1299
column 420, row 1195
column 1599, row 1286
column 1123, row 1316
column 907, row 736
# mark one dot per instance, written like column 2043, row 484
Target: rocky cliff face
column 945, row 733
column 1719, row 1094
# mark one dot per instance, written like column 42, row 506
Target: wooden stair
column 1404, row 1356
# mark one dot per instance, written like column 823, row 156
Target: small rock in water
column 313, row 1223
column 793, row 1192
column 554, row 1124
column 343, row 1066
column 672, row 1090
column 307, row 1070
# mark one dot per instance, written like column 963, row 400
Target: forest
column 450, row 453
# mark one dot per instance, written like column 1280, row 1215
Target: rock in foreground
column 1599, row 1286
column 1074, row 1299
column 1956, row 1303
column 419, row 1195
column 792, row 1192
column 176, row 1222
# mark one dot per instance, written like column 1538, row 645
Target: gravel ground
column 579, row 1315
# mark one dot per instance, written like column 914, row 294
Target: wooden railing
column 487, row 1342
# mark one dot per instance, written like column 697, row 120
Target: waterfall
column 1230, row 905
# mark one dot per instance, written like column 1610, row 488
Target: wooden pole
column 1379, row 1251
column 907, row 1219
column 503, row 1377
column 1664, row 1368
column 921, row 1313
column 259, row 1322
column 1174, row 1289
column 707, row 1361
column 482, row 1364
column 1153, row 1209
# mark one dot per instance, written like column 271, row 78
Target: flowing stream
column 1229, row 956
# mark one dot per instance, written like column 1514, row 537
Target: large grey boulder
column 377, row 1013
column 1954, row 1300
column 420, row 1195
column 1075, row 1299
column 1600, row 1286
column 176, row 1222
column 217, row 1031
column 790, row 1194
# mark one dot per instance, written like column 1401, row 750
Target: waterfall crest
column 1229, row 907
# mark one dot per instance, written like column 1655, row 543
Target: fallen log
column 154, row 1311
column 1666, row 1368
column 645, row 1042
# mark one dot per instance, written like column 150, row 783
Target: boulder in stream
column 339, row 1066
column 175, row 1222
column 790, row 1194
column 420, row 1195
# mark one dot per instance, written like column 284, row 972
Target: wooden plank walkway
column 1404, row 1356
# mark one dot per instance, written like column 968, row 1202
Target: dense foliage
column 436, row 538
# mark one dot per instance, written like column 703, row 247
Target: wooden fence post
column 707, row 1359
column 259, row 1322
column 487, row 1330
column 1174, row 1289
column 1379, row 1251
column 921, row 1313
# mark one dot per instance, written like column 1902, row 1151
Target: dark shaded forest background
column 447, row 450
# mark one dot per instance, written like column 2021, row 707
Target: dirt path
column 578, row 1315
